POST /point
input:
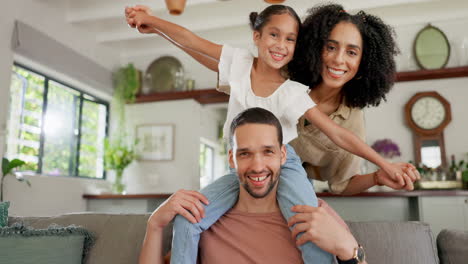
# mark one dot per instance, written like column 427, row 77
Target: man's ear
column 231, row 159
column 284, row 154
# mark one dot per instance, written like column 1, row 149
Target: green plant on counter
column 7, row 169
column 465, row 174
column 117, row 156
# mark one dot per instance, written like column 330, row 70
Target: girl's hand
column 183, row 202
column 321, row 228
column 406, row 174
column 139, row 17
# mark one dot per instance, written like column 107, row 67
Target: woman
column 348, row 62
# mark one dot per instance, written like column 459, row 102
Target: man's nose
column 258, row 163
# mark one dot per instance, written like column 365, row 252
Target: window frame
column 82, row 99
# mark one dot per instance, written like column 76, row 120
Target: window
column 206, row 164
column 56, row 129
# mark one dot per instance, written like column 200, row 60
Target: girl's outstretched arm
column 350, row 142
column 205, row 52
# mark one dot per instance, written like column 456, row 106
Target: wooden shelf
column 211, row 96
column 432, row 74
column 204, row 96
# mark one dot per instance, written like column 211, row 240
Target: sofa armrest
column 453, row 246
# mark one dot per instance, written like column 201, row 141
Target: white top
column 288, row 103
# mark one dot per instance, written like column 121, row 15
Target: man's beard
column 271, row 186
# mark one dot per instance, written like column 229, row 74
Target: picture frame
column 155, row 142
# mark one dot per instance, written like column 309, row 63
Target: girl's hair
column 376, row 73
column 258, row 21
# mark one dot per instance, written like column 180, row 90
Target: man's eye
column 273, row 35
column 243, row 154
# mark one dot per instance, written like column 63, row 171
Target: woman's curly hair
column 376, row 73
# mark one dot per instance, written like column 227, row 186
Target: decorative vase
column 175, row 7
column 118, row 187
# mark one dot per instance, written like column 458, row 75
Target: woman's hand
column 183, row 202
column 405, row 174
column 321, row 228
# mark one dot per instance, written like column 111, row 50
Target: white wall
column 183, row 171
column 48, row 195
column 387, row 120
column 192, row 122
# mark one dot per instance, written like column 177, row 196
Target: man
column 254, row 231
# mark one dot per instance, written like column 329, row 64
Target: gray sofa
column 119, row 239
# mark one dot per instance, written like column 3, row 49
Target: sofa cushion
column 396, row 242
column 54, row 245
column 453, row 246
column 118, row 236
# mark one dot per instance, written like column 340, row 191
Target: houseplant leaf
column 14, row 164
column 5, row 165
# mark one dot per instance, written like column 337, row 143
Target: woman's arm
column 185, row 203
column 350, row 142
column 205, row 52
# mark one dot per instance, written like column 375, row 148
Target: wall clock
column 427, row 114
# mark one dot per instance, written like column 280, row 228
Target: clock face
column 428, row 112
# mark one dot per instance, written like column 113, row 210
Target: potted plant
column 465, row 175
column 127, row 81
column 387, row 148
column 117, row 156
column 7, row 169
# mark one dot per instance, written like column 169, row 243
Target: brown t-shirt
column 239, row 237
column 324, row 160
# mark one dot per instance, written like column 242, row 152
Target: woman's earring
column 359, row 77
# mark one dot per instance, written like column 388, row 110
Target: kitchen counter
column 416, row 193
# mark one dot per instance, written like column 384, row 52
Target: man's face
column 257, row 156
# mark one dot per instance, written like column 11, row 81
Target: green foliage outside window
column 66, row 139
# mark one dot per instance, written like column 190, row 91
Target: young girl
column 258, row 82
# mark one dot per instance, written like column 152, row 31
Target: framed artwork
column 155, row 142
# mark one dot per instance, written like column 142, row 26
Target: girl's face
column 341, row 55
column 277, row 40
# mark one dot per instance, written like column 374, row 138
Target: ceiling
column 213, row 18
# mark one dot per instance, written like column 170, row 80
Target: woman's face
column 277, row 40
column 341, row 55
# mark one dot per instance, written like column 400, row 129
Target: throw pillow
column 54, row 245
column 4, row 213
